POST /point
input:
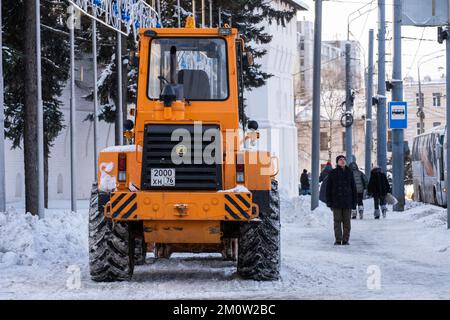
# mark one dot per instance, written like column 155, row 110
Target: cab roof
column 187, row 32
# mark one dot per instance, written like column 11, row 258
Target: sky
column 335, row 13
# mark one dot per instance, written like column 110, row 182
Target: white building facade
column 273, row 104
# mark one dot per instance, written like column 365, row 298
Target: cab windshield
column 200, row 68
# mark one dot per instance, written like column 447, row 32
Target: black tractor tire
column 111, row 247
column 140, row 251
column 259, row 242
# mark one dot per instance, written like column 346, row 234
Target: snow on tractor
column 187, row 180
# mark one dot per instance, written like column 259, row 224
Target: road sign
column 425, row 13
column 398, row 115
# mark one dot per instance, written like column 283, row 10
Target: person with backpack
column 361, row 186
column 341, row 197
column 304, row 182
column 378, row 187
column 326, row 170
column 323, row 182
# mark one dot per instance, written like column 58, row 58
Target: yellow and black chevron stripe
column 123, row 205
column 237, row 206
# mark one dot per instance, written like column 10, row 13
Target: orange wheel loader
column 189, row 179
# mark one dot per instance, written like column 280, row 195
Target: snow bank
column 298, row 210
column 61, row 237
column 430, row 215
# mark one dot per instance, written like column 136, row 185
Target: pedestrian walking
column 304, row 182
column 323, row 181
column 361, row 186
column 378, row 187
column 341, row 198
column 326, row 170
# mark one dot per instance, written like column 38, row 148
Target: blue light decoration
column 128, row 17
column 125, row 16
column 115, row 9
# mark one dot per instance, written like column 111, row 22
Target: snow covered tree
column 19, row 61
column 107, row 81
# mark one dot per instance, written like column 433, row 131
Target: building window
column 323, row 141
column 302, row 45
column 302, row 62
column 302, row 76
column 436, row 99
column 417, row 99
column 436, row 124
column 418, row 127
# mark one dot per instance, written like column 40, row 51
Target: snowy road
column 411, row 250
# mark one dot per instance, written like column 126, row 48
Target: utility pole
column 73, row 160
column 369, row 93
column 119, row 109
column 444, row 34
column 210, row 14
column 2, row 126
column 40, row 115
column 203, row 14
column 179, row 13
column 398, row 159
column 315, row 152
column 447, row 43
column 348, row 101
column 193, row 13
column 94, row 59
column 381, row 96
column 420, row 113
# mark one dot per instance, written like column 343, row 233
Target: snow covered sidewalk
column 408, row 255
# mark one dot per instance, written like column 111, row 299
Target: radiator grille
column 157, row 154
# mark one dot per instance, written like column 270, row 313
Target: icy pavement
column 408, row 255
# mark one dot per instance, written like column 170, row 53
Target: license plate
column 163, row 177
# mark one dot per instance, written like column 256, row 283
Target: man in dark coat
column 378, row 187
column 341, row 198
column 304, row 182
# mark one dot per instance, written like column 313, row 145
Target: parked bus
column 428, row 166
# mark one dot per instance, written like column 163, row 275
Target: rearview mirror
column 128, row 125
column 134, row 59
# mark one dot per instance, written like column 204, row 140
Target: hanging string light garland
column 132, row 14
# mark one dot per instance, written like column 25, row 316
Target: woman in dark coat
column 326, row 170
column 323, row 179
column 378, row 187
column 304, row 182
